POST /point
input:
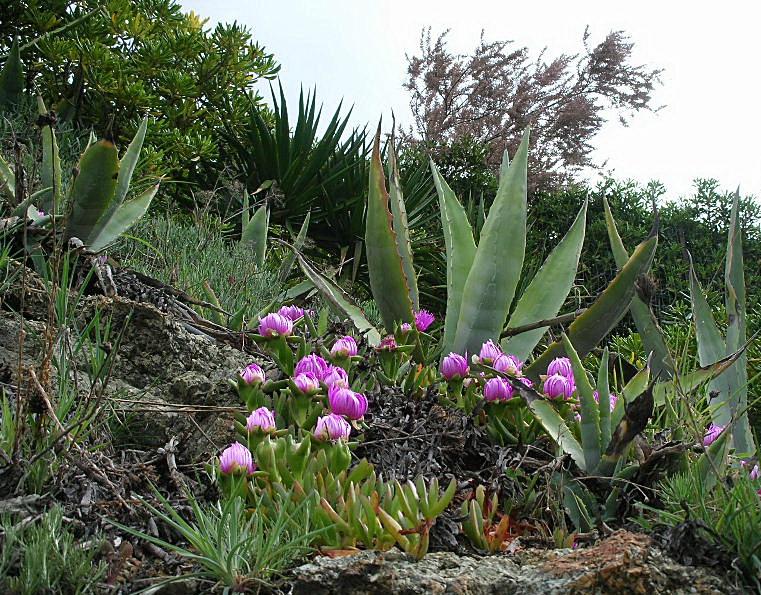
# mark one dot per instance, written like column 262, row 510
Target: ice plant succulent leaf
column 652, row 336
column 548, row 290
column 490, row 287
column 597, row 321
column 388, row 281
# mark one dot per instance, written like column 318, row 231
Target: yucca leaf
column 93, row 188
column 490, row 287
column 298, row 244
column 255, row 235
column 590, row 414
column 340, row 301
column 401, row 228
column 597, row 321
column 388, row 281
column 460, row 249
column 548, row 290
column 652, row 336
column 12, row 78
column 108, row 231
column 50, row 170
column 603, row 393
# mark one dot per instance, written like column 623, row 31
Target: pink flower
column 613, row 399
column 712, row 434
column 489, row 353
column 252, row 374
column 497, row 389
column 236, row 459
column 508, row 364
column 262, row 420
column 754, row 472
column 562, row 366
column 306, row 383
column 312, row 365
column 292, row 313
column 275, row 325
column 526, row 381
column 388, row 344
column 454, row 366
column 344, row 401
column 332, row 427
column 405, row 328
column 423, row 320
column 558, row 385
column 344, row 347
column 336, row 376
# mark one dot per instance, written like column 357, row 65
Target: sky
column 709, row 127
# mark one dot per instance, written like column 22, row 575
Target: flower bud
column 525, row 380
column 236, row 459
column 332, row 427
column 489, row 353
column 306, row 383
column 312, row 365
column 261, row 420
column 344, row 401
column 336, row 376
column 388, row 344
column 405, row 328
column 344, row 347
column 558, row 386
column 508, row 364
column 275, row 325
column 292, row 313
column 454, row 366
column 423, row 320
column 497, row 389
column 712, row 434
column 562, row 366
column 252, row 374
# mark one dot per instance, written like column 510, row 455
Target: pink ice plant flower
column 336, row 376
column 275, row 325
column 423, row 320
column 344, row 347
column 454, row 366
column 292, row 313
column 388, row 343
column 508, row 364
column 489, row 353
column 613, row 399
column 332, row 427
column 344, row 401
column 312, row 365
column 253, row 374
column 262, row 420
column 236, row 459
column 712, row 434
column 526, row 381
column 498, row 389
column 558, row 386
column 306, row 383
column 405, row 328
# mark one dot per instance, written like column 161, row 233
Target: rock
column 624, row 563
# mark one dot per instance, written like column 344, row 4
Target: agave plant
column 11, row 78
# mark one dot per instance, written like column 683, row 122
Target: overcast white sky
column 711, row 125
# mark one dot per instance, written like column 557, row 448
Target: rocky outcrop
column 624, row 563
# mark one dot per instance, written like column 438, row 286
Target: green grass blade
column 401, row 227
column 340, row 301
column 590, row 413
column 93, row 188
column 652, row 336
column 490, row 287
column 121, row 220
column 460, row 249
column 603, row 392
column 388, row 281
column 255, row 235
column 50, row 170
column 548, row 289
column 597, row 321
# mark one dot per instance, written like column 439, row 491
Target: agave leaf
column 388, row 282
column 244, row 214
column 298, row 244
column 401, row 228
column 93, row 189
column 12, row 78
column 603, row 393
column 557, row 430
column 590, row 327
column 652, row 336
column 633, row 389
column 128, row 164
column 7, row 179
column 50, row 171
column 121, row 220
column 590, row 413
column 490, row 287
column 255, row 235
column 548, row 289
column 460, row 248
column 340, row 301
